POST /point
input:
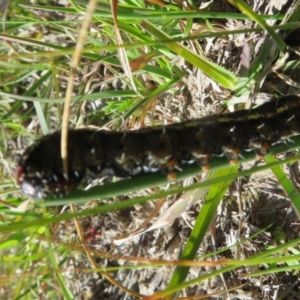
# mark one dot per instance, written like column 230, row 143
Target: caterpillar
column 162, row 148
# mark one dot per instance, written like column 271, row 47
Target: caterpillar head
column 40, row 170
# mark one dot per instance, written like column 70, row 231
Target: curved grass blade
column 202, row 224
column 286, row 184
column 246, row 9
column 217, row 73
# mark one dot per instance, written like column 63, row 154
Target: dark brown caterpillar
column 163, row 148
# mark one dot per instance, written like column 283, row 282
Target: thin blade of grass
column 246, row 9
column 53, row 261
column 286, row 184
column 152, row 95
column 134, row 13
column 202, row 224
column 217, row 73
column 93, row 96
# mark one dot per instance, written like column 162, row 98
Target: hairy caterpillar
column 162, row 148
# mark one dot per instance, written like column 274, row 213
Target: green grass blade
column 286, row 184
column 246, row 9
column 202, row 224
column 219, row 74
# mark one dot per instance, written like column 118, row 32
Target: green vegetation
column 45, row 251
